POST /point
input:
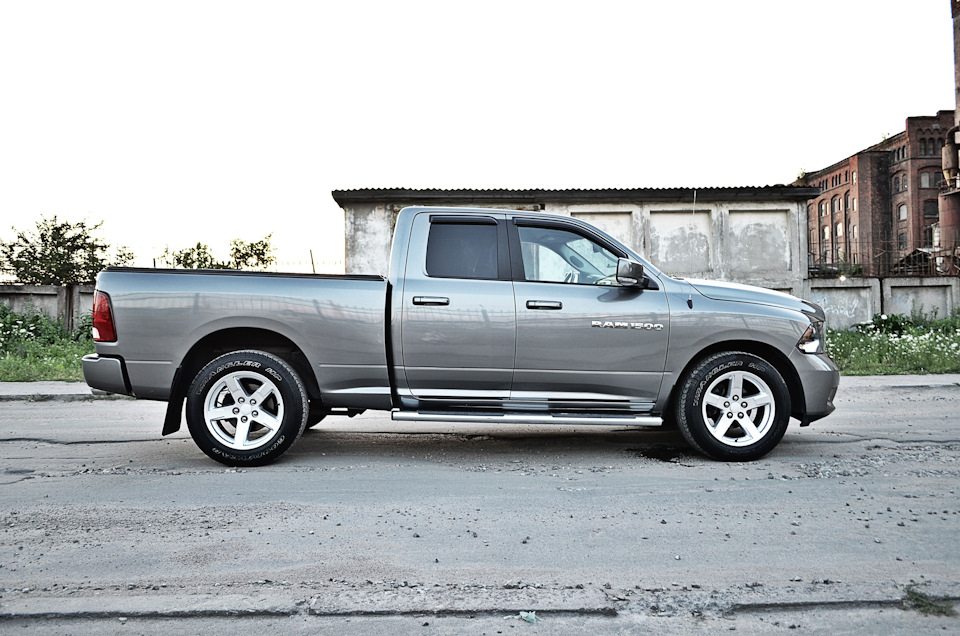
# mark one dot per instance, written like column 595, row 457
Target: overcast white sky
column 177, row 122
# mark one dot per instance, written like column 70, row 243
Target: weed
column 927, row 605
column 898, row 344
column 33, row 347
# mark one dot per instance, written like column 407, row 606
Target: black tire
column 733, row 407
column 246, row 408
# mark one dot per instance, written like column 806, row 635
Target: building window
column 937, row 179
column 853, row 232
column 928, row 236
column 823, row 208
column 923, row 147
column 924, row 179
column 826, row 232
column 902, row 241
column 896, row 183
column 839, row 230
column 931, row 209
column 854, row 204
column 856, row 258
column 846, row 203
column 854, row 176
column 902, row 212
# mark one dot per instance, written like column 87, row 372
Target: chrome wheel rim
column 243, row 411
column 738, row 409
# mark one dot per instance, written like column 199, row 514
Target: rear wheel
column 733, row 406
column 246, row 408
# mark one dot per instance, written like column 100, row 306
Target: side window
column 462, row 250
column 559, row 256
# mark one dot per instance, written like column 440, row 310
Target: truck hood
column 749, row 294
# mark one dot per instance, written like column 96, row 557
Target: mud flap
column 171, row 421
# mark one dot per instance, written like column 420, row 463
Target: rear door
column 458, row 323
column 582, row 339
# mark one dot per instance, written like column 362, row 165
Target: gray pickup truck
column 487, row 316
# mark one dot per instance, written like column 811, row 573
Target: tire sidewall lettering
column 251, row 364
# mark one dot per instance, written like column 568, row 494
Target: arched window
column 839, row 230
column 896, row 183
column 902, row 212
column 846, row 201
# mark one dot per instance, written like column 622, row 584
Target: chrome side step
column 525, row 418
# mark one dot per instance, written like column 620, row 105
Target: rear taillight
column 103, row 329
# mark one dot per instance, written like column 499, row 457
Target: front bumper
column 106, row 374
column 820, row 378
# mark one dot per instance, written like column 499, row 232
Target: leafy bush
column 33, row 347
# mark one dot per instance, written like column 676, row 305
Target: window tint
column 559, row 256
column 462, row 250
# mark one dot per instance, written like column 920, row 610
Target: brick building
column 877, row 213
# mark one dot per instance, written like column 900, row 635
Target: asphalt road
column 372, row 526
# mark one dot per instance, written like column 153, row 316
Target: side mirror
column 630, row 273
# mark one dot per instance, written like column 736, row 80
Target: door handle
column 430, row 300
column 544, row 304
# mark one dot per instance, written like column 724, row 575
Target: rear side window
column 462, row 250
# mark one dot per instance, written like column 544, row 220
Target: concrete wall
column 856, row 300
column 846, row 303
column 66, row 304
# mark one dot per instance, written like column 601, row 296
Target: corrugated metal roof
column 613, row 195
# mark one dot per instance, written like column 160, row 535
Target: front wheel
column 246, row 408
column 733, row 406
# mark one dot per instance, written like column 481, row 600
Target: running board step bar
column 525, row 418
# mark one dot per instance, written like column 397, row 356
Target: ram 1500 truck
column 486, row 316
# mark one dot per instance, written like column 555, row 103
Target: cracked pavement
column 368, row 524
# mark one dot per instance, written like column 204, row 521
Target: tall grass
column 898, row 344
column 33, row 347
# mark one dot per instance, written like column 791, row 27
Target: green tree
column 243, row 255
column 59, row 253
column 196, row 257
column 254, row 255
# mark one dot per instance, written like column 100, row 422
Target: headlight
column 812, row 339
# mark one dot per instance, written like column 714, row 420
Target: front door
column 582, row 339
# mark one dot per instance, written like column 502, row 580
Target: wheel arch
column 762, row 350
column 226, row 341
